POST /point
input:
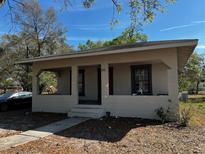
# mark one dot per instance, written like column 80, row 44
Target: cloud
column 200, row 47
column 199, row 22
column 97, row 27
column 90, row 27
column 176, row 27
column 81, row 8
column 194, row 23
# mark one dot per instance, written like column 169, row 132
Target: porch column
column 35, row 85
column 173, row 93
column 104, row 82
column 35, row 81
column 35, row 91
column 74, row 83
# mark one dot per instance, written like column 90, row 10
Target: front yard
column 122, row 135
column 112, row 135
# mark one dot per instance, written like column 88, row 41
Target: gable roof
column 134, row 47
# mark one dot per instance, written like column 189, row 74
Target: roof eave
column 191, row 43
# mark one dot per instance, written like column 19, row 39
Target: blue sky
column 183, row 20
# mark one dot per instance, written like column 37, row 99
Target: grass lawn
column 197, row 111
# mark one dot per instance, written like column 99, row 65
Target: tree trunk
column 5, row 89
column 39, row 49
column 197, row 87
column 27, row 69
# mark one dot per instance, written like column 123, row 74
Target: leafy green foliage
column 47, row 82
column 128, row 36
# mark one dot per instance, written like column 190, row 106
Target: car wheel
column 3, row 107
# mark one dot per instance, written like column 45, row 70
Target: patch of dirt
column 122, row 135
column 14, row 122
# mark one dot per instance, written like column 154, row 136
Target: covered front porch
column 123, row 89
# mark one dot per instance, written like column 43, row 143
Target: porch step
column 86, row 112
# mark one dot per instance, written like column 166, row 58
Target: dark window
column 70, row 82
column 81, row 82
column 99, row 85
column 111, row 80
column 141, row 79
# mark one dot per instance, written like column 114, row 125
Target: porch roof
column 186, row 48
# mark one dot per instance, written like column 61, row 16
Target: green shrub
column 163, row 114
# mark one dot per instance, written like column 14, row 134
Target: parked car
column 13, row 100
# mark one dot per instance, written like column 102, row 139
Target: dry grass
column 197, row 96
column 197, row 113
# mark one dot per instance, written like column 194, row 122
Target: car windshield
column 6, row 95
column 22, row 94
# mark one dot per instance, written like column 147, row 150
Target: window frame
column 147, row 67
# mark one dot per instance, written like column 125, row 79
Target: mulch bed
column 121, row 135
column 14, row 122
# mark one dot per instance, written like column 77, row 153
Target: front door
column 86, row 82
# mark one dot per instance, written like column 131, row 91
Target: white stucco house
column 127, row 80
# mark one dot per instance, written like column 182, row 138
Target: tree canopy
column 192, row 74
column 40, row 29
column 126, row 37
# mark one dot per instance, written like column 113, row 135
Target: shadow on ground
column 23, row 120
column 106, row 129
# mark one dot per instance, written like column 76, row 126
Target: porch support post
column 74, row 83
column 35, row 80
column 35, row 85
column 173, row 93
column 104, row 82
column 35, row 90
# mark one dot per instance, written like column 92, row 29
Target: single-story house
column 130, row 80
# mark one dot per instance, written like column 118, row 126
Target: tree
column 40, row 29
column 128, row 36
column 192, row 73
column 39, row 35
column 14, row 50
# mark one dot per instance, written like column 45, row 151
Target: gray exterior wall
column 63, row 82
column 122, row 78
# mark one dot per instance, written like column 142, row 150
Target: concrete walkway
column 32, row 135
